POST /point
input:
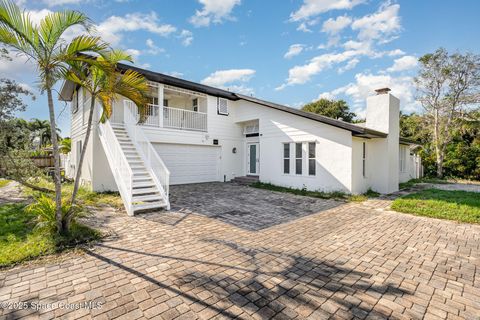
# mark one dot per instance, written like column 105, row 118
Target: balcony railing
column 184, row 119
column 174, row 118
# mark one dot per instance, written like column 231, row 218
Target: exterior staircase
column 247, row 180
column 145, row 193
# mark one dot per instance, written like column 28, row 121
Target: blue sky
column 290, row 52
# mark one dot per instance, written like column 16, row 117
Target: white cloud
column 113, row 27
column 17, row 67
column 187, row 37
column 311, row 8
column 403, row 63
column 294, row 50
column 213, row 11
column 382, row 25
column 349, row 66
column 134, row 53
column 222, row 77
column 302, row 74
column 365, row 84
column 152, row 48
column 175, row 74
column 52, row 3
column 334, row 26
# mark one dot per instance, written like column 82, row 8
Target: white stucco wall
column 383, row 114
column 333, row 148
column 338, row 154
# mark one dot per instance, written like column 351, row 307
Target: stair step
column 141, row 173
column 144, row 191
column 149, row 205
column 133, row 157
column 145, row 178
column 142, row 184
column 150, row 197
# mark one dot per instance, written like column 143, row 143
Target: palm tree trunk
column 80, row 162
column 56, row 156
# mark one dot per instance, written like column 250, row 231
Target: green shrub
column 44, row 209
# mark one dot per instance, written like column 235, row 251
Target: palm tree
column 41, row 130
column 103, row 84
column 43, row 45
column 66, row 145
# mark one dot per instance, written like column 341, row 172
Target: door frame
column 257, row 159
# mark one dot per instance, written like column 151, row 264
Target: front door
column 253, row 159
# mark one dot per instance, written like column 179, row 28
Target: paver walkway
column 349, row 261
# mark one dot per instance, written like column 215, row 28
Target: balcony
column 170, row 117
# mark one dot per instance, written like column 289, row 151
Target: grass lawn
column 4, row 182
column 84, row 196
column 412, row 182
column 337, row 195
column 452, row 205
column 20, row 240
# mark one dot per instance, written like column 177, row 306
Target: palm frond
column 54, row 25
column 24, row 36
column 83, row 44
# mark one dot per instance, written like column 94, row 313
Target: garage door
column 190, row 163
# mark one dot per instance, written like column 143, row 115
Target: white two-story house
column 195, row 133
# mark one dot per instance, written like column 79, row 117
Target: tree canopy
column 336, row 109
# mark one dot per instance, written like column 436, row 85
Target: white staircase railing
column 118, row 163
column 153, row 163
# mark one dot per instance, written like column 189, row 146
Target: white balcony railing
column 184, row 119
column 175, row 118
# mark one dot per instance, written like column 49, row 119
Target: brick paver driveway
column 346, row 261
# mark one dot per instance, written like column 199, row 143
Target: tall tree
column 330, row 108
column 50, row 53
column 103, row 84
column 447, row 86
column 41, row 130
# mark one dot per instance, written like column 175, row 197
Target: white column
column 160, row 104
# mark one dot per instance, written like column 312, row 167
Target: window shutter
column 222, row 106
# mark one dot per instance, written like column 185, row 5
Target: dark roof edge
column 409, row 141
column 190, row 85
column 181, row 83
column 356, row 130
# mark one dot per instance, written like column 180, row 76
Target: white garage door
column 190, row 163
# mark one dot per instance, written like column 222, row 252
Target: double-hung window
column 403, row 158
column 75, row 101
column 286, row 158
column 311, row 159
column 298, row 158
column 364, row 159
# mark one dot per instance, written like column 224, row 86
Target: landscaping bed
column 21, row 238
column 459, row 206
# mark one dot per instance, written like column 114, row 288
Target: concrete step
column 245, row 180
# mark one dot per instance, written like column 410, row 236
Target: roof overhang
column 68, row 87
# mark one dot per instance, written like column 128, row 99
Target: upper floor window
column 165, row 102
column 154, row 101
column 222, row 106
column 75, row 101
column 195, row 104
